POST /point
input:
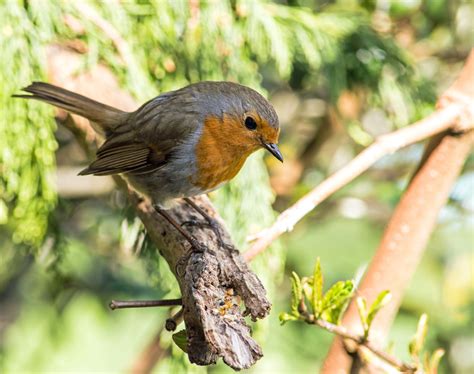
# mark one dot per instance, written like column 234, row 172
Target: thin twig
column 437, row 122
column 359, row 340
column 174, row 321
column 117, row 304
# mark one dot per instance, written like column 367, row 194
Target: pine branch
column 108, row 29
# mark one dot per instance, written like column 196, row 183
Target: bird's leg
column 195, row 245
column 191, row 240
column 213, row 224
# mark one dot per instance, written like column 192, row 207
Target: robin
column 180, row 144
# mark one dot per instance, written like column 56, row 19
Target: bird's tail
column 105, row 116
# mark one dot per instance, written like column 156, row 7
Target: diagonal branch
column 404, row 240
column 343, row 333
column 412, row 223
column 441, row 120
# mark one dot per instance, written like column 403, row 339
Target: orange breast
column 221, row 152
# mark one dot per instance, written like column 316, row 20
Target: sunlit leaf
column 362, row 309
column 418, row 340
column 286, row 317
column 335, row 300
column 337, row 294
column 317, row 296
column 181, row 340
column 435, row 360
column 382, row 299
column 296, row 293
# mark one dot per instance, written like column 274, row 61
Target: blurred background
column 339, row 73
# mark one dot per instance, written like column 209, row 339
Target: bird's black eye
column 250, row 123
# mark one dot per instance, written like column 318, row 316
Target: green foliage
column 317, row 294
column 27, row 160
column 367, row 315
column 416, row 346
column 362, row 309
column 181, row 340
column 431, row 364
column 296, row 293
column 327, row 306
column 296, row 299
column 286, row 317
column 336, row 299
column 381, row 300
column 330, row 305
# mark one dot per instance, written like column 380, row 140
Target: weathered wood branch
column 212, row 283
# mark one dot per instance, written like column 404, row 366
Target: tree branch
column 456, row 115
column 439, row 121
column 404, row 241
column 204, row 278
column 410, row 227
column 342, row 332
column 118, row 304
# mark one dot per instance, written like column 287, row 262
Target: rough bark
column 213, row 283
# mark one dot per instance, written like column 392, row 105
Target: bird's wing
column 117, row 158
column 145, row 143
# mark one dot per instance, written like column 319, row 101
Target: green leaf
column 337, row 294
column 286, row 317
column 181, row 340
column 362, row 308
column 296, row 293
column 317, row 296
column 382, row 299
column 335, row 300
column 418, row 340
column 434, row 361
column 307, row 284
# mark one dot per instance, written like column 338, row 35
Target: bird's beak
column 273, row 149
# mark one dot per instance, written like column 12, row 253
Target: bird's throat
column 220, row 153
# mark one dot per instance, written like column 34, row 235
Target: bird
column 180, row 144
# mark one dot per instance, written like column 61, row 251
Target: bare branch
column 439, row 121
column 173, row 322
column 404, row 240
column 342, row 332
column 119, row 304
column 412, row 223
